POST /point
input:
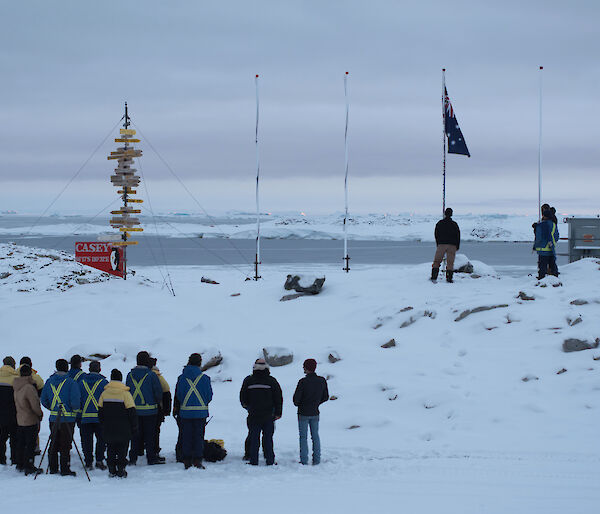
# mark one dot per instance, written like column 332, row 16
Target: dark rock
column 278, row 356
column 406, row 309
column 527, row 378
column 97, row 356
column 334, row 357
column 524, row 296
column 235, row 294
column 390, row 344
column 577, row 345
column 19, row 266
column 214, row 361
column 208, row 281
column 293, row 282
column 352, row 427
column 392, row 398
column 468, row 312
column 82, row 281
column 579, row 301
column 573, row 322
column 4, row 275
column 288, row 297
column 561, row 371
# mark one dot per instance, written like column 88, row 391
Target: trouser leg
column 100, row 444
column 542, row 266
column 112, row 456
column 20, row 451
column 198, row 439
column 450, row 256
column 316, row 440
column 439, row 255
column 247, row 441
column 149, row 429
column 53, row 448
column 29, row 440
column 187, row 438
column 254, row 436
column 552, row 265
column 303, row 436
column 87, row 442
column 65, row 435
column 268, row 429
column 121, row 455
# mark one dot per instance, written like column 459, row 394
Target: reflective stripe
column 259, row 386
column 77, row 375
column 56, row 399
column 90, row 398
column 138, row 388
column 192, row 389
column 552, row 240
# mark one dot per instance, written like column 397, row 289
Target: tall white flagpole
column 540, row 152
column 346, row 257
column 444, row 141
column 257, row 257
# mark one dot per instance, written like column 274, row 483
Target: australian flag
column 456, row 141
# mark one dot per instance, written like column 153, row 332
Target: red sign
column 102, row 256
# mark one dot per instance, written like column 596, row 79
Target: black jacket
column 117, row 413
column 8, row 411
column 447, row 233
column 261, row 396
column 311, row 392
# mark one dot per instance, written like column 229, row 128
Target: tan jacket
column 37, row 380
column 163, row 383
column 7, row 375
column 27, row 402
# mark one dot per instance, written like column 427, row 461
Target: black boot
column 434, row 274
column 198, row 464
column 100, row 465
column 65, row 466
column 187, row 463
column 449, row 275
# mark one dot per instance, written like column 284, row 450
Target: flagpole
column 540, row 151
column 346, row 257
column 257, row 256
column 444, row 140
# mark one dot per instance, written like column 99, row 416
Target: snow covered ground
column 468, row 413
column 390, row 227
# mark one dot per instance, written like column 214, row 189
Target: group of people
column 119, row 422
column 447, row 239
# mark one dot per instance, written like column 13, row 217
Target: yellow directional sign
column 129, row 192
column 131, row 229
column 135, row 200
column 127, row 132
column 123, row 140
column 129, row 211
column 124, row 243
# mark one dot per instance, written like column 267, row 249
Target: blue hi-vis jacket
column 91, row 386
column 145, row 388
column 193, row 393
column 60, row 388
column 546, row 237
column 77, row 375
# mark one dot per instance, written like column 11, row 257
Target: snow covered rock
column 304, row 284
column 211, row 359
column 278, row 356
column 468, row 312
column 390, row 344
column 577, row 345
column 334, row 357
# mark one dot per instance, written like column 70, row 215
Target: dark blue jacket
column 61, row 387
column 145, row 388
column 91, row 386
column 77, row 374
column 193, row 393
column 546, row 237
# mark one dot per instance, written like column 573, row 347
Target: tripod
column 52, row 440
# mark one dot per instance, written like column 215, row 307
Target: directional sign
column 102, row 256
column 127, row 132
column 124, row 140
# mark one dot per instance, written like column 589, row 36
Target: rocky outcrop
column 278, row 356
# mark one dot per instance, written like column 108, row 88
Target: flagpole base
column 347, row 267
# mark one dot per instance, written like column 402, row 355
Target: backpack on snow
column 213, row 452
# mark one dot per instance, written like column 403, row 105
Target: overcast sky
column 187, row 71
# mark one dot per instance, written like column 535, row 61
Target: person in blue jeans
column 311, row 392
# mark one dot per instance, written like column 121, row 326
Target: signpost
column 102, row 256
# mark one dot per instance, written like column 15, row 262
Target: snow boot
column 434, row 274
column 187, row 463
column 449, row 275
column 122, row 473
column 33, row 471
column 100, row 465
column 65, row 466
column 198, row 464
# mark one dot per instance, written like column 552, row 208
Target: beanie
column 95, row 367
column 310, row 365
column 62, row 365
column 260, row 364
column 116, row 375
column 25, row 370
column 195, row 360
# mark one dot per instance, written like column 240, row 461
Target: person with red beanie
column 311, row 392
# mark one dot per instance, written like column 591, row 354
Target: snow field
column 445, row 420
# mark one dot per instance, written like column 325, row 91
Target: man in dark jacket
column 447, row 239
column 311, row 392
column 8, row 411
column 91, row 386
column 61, row 395
column 193, row 393
column 147, row 395
column 261, row 396
column 117, row 414
column 546, row 238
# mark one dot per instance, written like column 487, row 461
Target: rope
column 190, row 193
column 72, row 178
column 170, row 283
column 195, row 241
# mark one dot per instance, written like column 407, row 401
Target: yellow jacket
column 7, row 375
column 116, row 392
column 37, row 380
column 163, row 383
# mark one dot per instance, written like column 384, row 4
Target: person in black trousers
column 261, row 396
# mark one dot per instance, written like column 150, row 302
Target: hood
column 190, row 371
column 261, row 372
column 20, row 382
column 117, row 386
column 7, row 371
